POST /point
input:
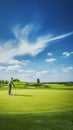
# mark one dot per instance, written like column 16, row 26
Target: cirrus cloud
column 22, row 46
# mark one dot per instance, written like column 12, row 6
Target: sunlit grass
column 36, row 109
column 29, row 100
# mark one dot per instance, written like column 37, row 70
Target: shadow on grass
column 43, row 121
column 21, row 95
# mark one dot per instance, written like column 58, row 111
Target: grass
column 35, row 101
column 36, row 109
column 48, row 121
column 34, row 85
column 59, row 86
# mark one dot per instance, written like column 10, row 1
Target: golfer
column 10, row 84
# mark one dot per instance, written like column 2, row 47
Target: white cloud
column 13, row 68
column 67, row 54
column 21, row 71
column 29, row 71
column 60, row 37
column 7, row 51
column 22, row 46
column 67, row 69
column 22, row 33
column 10, row 68
column 41, row 73
column 32, row 73
column 22, row 62
column 2, row 68
column 27, row 75
column 51, row 60
column 26, row 71
column 49, row 54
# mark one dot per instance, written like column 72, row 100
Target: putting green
column 32, row 100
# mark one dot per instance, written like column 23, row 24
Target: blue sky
column 36, row 40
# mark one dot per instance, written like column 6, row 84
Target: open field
column 36, row 109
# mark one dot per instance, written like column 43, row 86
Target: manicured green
column 32, row 100
column 36, row 109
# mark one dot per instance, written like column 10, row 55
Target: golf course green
column 36, row 109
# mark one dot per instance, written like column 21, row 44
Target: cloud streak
column 60, row 37
column 50, row 60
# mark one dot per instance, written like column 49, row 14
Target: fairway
column 32, row 107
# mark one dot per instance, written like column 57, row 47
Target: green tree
column 38, row 80
column 16, row 80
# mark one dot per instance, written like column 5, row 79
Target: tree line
column 6, row 81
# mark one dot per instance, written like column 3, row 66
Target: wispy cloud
column 7, row 51
column 67, row 54
column 26, row 71
column 10, row 68
column 41, row 73
column 22, row 46
column 51, row 60
column 22, row 62
column 33, row 73
column 67, row 69
column 22, row 33
column 60, row 37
